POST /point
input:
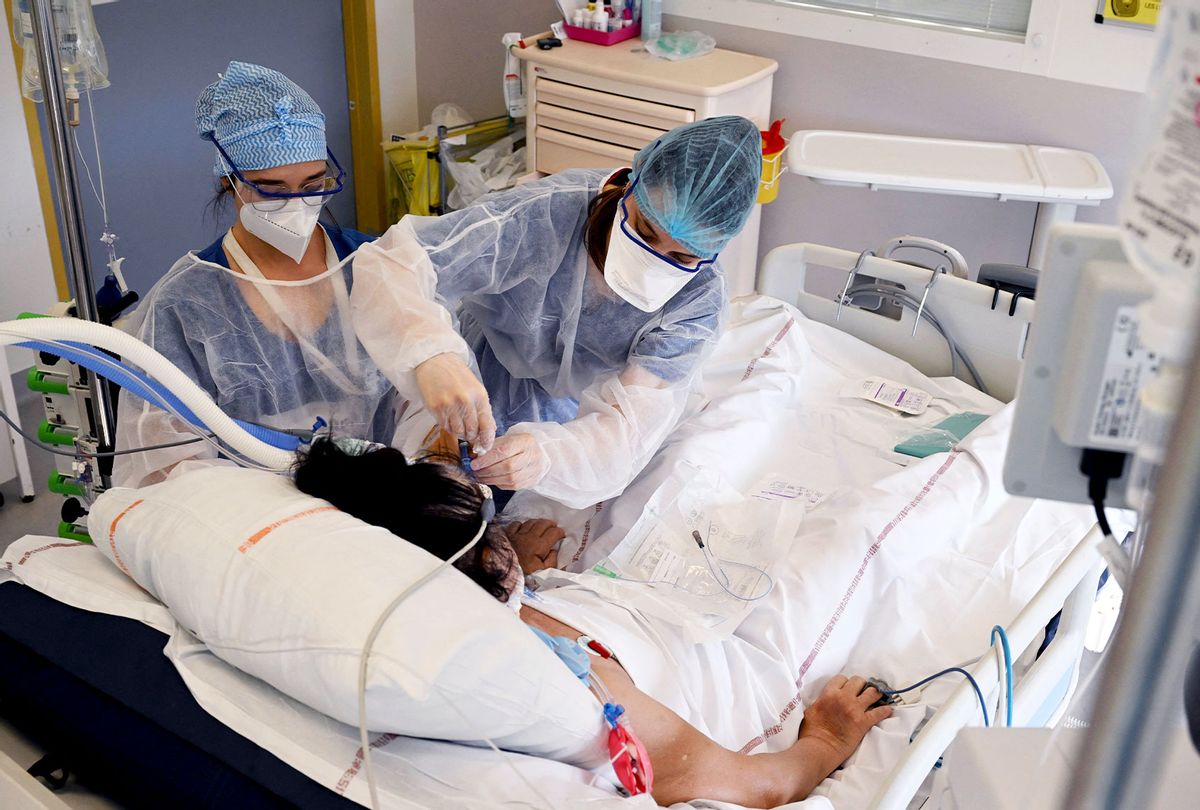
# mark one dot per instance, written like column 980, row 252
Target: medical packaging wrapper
column 942, row 437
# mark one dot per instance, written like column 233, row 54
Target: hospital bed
column 103, row 687
column 993, row 327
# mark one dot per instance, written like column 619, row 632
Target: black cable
column 1100, row 467
column 947, row 671
column 33, row 440
column 1101, row 518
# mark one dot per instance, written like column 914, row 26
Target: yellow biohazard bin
column 772, row 175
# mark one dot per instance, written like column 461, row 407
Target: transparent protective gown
column 276, row 353
column 597, row 381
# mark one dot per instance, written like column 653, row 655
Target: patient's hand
column 536, row 543
column 841, row 716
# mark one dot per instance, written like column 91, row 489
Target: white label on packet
column 669, row 566
column 777, row 488
column 894, row 395
column 1126, row 371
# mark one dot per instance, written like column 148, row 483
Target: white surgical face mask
column 636, row 274
column 287, row 229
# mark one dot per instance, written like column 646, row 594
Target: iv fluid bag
column 80, row 50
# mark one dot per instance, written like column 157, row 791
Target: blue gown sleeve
column 407, row 284
column 506, row 238
column 689, row 327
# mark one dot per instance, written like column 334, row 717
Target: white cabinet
column 594, row 106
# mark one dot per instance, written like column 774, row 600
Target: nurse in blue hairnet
column 586, row 298
column 260, row 319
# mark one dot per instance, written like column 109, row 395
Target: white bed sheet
column 771, row 401
column 897, row 580
column 899, row 571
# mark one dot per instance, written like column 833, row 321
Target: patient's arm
column 688, row 765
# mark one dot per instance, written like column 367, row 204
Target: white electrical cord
column 364, row 741
column 1120, row 565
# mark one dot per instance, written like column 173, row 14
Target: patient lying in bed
column 437, row 502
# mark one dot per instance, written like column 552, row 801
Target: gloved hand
column 536, row 543
column 516, row 461
column 457, row 399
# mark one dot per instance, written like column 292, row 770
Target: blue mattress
column 97, row 693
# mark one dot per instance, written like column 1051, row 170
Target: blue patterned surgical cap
column 261, row 118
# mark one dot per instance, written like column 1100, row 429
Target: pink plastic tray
column 603, row 37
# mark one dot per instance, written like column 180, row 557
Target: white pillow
column 285, row 587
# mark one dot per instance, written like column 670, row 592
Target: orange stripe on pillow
column 263, row 532
column 112, row 530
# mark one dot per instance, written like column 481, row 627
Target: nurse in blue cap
column 261, row 317
column 586, row 299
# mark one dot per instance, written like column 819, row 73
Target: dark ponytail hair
column 427, row 503
column 602, row 211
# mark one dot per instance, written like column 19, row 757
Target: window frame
column 817, row 6
column 1061, row 42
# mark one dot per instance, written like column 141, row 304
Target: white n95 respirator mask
column 287, row 227
column 637, row 273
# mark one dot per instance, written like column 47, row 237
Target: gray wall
column 161, row 55
column 459, row 55
column 823, row 85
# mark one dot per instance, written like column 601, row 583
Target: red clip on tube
column 629, row 758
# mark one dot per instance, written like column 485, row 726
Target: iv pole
column 67, row 178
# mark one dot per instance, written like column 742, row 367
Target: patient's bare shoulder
column 536, row 543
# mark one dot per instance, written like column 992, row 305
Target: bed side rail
column 1072, row 588
column 991, row 327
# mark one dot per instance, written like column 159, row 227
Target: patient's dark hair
column 428, row 503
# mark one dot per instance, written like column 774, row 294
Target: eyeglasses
column 632, row 234
column 274, row 196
